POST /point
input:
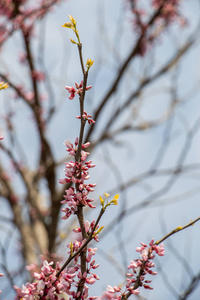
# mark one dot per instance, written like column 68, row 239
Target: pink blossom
column 133, row 265
column 90, row 280
column 86, row 145
column 160, row 250
column 46, row 267
column 88, row 87
column 135, row 292
column 72, row 92
column 79, row 88
column 91, row 252
column 70, row 148
column 144, row 254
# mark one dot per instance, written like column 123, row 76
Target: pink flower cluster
column 47, row 285
column 90, row 264
column 87, row 117
column 144, row 264
column 78, row 90
column 140, row 268
column 77, row 173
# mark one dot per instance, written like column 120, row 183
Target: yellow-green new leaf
column 3, row 85
column 98, row 231
column 102, row 201
column 72, row 19
column 67, row 25
column 107, row 195
column 114, row 200
column 71, row 247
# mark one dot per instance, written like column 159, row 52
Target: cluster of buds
column 140, row 268
column 87, row 118
column 144, row 265
column 77, row 173
column 79, row 88
column 91, row 265
column 47, row 285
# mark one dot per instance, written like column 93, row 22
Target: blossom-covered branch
column 36, row 209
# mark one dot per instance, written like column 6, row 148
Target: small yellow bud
column 178, row 228
column 102, row 201
column 73, row 42
column 89, row 63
